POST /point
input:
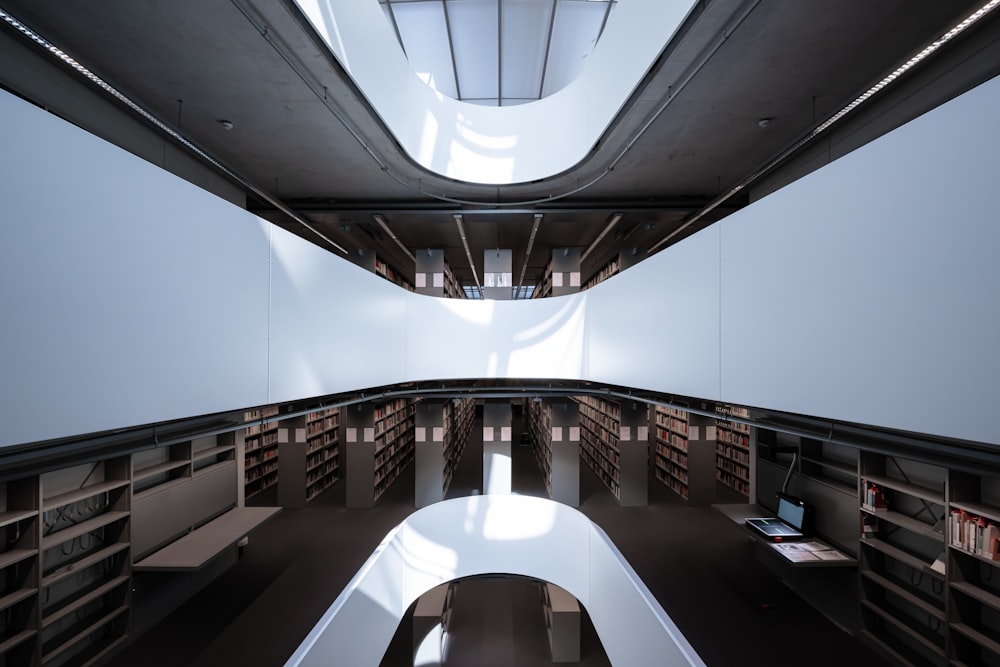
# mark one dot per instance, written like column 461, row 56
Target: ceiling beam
column 468, row 253
column 451, row 49
column 527, row 252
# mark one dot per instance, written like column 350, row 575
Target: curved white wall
column 865, row 292
column 501, row 534
column 498, row 145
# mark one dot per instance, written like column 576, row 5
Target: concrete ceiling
column 303, row 133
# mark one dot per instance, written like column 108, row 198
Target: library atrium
column 499, row 332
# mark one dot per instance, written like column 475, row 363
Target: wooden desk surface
column 195, row 549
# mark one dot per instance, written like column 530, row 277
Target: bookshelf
column 538, row 421
column 562, row 623
column 600, row 426
column 19, row 571
column 561, row 275
column 973, row 569
column 85, row 571
column 459, row 417
column 309, row 452
column 685, row 453
column 387, row 271
column 441, row 432
column 554, row 432
column 378, row 445
column 260, row 451
column 434, row 276
column 614, row 442
column 733, row 450
column 605, row 272
column 902, row 596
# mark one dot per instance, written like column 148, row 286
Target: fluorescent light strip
column 468, row 253
column 527, row 253
column 614, row 221
column 176, row 136
column 961, row 27
column 381, row 221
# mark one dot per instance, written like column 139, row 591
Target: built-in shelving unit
column 608, row 270
column 459, row 417
column 903, row 575
column 322, row 464
column 393, row 442
column 85, row 572
column 19, row 571
column 974, row 569
column 561, row 275
column 433, row 275
column 260, row 451
column 670, row 429
column 538, row 421
column 600, row 427
column 733, row 450
column 390, row 273
column 378, row 442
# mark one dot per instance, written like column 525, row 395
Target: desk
column 830, row 586
column 198, row 547
column 794, row 554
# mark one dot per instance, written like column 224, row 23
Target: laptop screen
column 791, row 512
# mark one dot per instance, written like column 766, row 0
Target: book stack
column 875, row 499
column 974, row 534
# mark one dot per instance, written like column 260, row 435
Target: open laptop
column 784, row 527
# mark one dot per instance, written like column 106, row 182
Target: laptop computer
column 784, row 527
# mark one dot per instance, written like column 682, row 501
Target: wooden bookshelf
column 561, row 275
column 441, row 431
column 378, row 442
column 433, row 275
column 538, row 421
column 608, row 270
column 614, row 443
column 903, row 594
column 685, row 453
column 733, row 450
column 260, row 466
column 20, row 564
column 85, row 574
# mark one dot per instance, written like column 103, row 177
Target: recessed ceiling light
column 763, row 122
column 226, row 124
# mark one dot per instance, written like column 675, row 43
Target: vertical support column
column 429, row 276
column 496, row 447
column 292, row 467
column 566, row 452
column 358, row 428
column 701, row 459
column 565, row 271
column 498, row 276
column 237, row 439
column 429, row 453
column 633, row 462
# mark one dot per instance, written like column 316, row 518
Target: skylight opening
column 497, row 52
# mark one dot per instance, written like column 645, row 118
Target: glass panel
column 484, row 102
column 525, row 33
column 474, row 38
column 577, row 27
column 422, row 27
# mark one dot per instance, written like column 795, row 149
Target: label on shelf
column 351, row 434
column 557, row 434
column 420, row 433
column 642, row 433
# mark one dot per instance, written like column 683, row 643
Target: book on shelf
column 938, row 564
column 975, row 534
column 875, row 499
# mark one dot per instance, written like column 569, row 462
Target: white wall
column 867, row 292
column 499, row 534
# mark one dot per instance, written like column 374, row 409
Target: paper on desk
column 794, row 552
column 831, row 554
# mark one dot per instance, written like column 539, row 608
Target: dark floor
column 699, row 564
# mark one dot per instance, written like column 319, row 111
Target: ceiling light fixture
column 921, row 55
column 468, row 253
column 226, row 124
column 614, row 221
column 763, row 122
column 382, row 223
column 527, row 253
